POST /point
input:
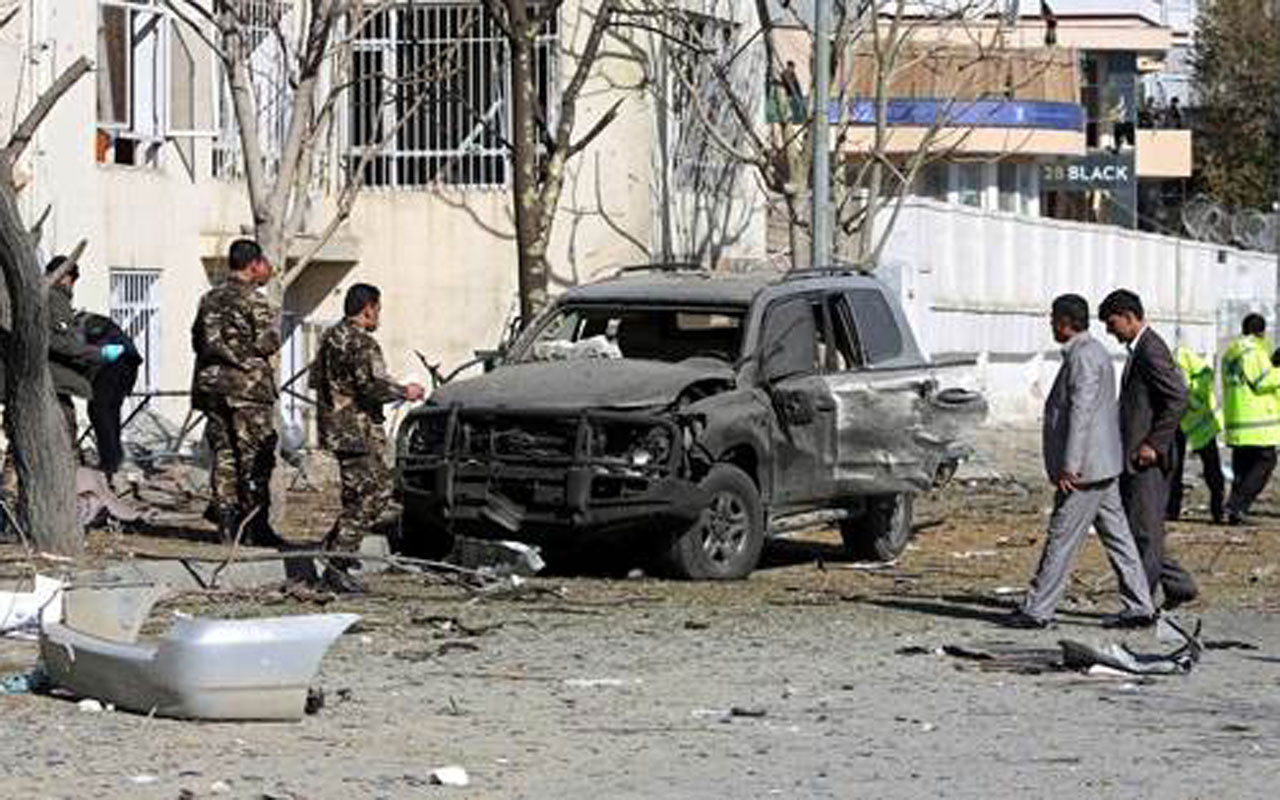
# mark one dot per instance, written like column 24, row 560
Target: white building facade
column 142, row 159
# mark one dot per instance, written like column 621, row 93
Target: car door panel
column 884, row 444
column 803, row 425
column 894, row 426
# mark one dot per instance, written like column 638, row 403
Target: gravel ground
column 800, row 682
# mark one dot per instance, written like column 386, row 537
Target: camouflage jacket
column 71, row 359
column 351, row 385
column 235, row 334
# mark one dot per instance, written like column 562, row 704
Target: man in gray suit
column 1082, row 456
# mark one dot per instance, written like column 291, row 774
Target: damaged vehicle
column 695, row 414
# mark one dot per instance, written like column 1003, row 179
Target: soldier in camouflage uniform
column 235, row 335
column 352, row 385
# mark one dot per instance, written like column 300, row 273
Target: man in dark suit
column 1153, row 397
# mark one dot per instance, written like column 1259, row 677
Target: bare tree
column 42, row 450
column 542, row 138
column 955, row 53
column 277, row 58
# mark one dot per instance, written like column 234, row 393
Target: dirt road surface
column 815, row 678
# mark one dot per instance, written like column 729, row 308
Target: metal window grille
column 267, row 67
column 458, row 134
column 135, row 307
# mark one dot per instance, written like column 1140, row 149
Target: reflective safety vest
column 1202, row 421
column 1250, row 401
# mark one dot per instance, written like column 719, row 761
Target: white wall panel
column 980, row 283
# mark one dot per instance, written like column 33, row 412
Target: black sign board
column 1102, row 170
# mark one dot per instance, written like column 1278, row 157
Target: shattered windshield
column 652, row 333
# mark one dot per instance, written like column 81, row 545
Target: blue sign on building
column 1038, row 114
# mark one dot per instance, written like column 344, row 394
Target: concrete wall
column 979, row 284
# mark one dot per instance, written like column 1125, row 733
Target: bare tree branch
column 26, row 129
column 609, row 116
column 37, row 230
column 66, row 267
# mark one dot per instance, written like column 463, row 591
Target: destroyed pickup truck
column 694, row 413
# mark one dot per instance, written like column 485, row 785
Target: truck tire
column 725, row 541
column 881, row 532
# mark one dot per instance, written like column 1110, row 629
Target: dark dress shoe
column 1173, row 601
column 1022, row 620
column 1129, row 622
column 1215, row 511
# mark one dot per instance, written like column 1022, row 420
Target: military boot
column 261, row 534
column 337, row 576
column 228, row 524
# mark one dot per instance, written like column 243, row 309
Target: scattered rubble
column 1118, row 656
column 502, row 557
column 97, row 503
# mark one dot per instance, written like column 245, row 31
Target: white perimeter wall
column 980, row 283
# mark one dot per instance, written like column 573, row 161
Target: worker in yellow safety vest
column 1251, row 411
column 1198, row 433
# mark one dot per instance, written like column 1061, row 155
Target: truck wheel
column 882, row 531
column 725, row 541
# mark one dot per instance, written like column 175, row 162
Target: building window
column 457, row 135
column 933, row 182
column 135, row 307
column 271, row 91
column 154, row 82
column 1028, row 188
column 1007, row 182
column 970, row 185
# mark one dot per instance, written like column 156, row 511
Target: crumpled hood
column 584, row 383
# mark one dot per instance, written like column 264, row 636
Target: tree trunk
column 42, row 452
column 530, row 247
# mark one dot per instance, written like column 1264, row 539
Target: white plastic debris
column 598, row 683
column 143, row 780
column 450, row 776
column 1103, row 671
column 22, row 612
column 248, row 669
column 89, row 705
column 220, row 787
column 598, row 346
column 971, row 554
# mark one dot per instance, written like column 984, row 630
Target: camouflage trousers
column 366, row 499
column 242, row 439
